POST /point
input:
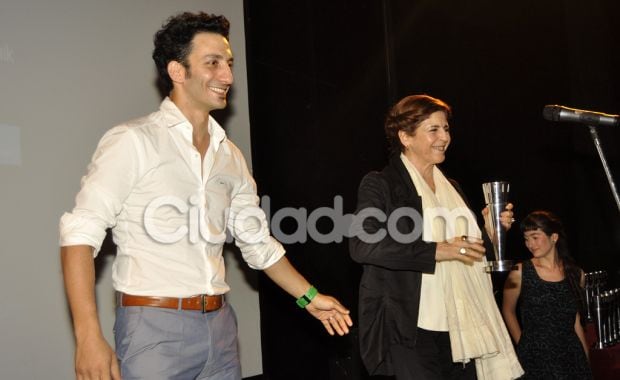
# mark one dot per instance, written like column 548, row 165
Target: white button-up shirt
column 169, row 212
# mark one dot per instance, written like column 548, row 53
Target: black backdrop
column 322, row 75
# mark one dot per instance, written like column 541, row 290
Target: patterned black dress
column 549, row 347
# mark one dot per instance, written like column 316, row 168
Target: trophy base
column 500, row 266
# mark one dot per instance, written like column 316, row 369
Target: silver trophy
column 496, row 198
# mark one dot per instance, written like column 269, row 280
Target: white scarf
column 475, row 325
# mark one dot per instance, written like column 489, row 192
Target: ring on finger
column 463, row 251
column 464, row 238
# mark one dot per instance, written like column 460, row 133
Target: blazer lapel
column 404, row 192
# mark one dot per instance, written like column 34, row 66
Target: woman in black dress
column 550, row 338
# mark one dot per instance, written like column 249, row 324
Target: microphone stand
column 599, row 149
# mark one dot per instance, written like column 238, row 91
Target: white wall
column 70, row 70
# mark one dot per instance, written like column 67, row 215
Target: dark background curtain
column 322, row 75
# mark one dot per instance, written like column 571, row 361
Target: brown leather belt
column 203, row 302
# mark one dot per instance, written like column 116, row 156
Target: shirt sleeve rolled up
column 110, row 177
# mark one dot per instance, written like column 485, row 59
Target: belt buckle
column 203, row 302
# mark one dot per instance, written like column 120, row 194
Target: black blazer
column 389, row 292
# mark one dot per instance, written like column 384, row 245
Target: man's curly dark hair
column 173, row 42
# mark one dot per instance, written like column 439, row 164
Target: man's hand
column 326, row 309
column 331, row 313
column 95, row 360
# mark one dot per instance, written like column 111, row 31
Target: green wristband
column 304, row 300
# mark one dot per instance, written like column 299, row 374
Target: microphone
column 572, row 115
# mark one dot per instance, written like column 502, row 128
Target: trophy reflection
column 496, row 198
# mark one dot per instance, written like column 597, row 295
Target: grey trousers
column 167, row 344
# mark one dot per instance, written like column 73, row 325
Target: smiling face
column 539, row 243
column 428, row 144
column 205, row 83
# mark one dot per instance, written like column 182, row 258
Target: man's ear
column 176, row 71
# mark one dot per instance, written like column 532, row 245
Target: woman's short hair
column 408, row 114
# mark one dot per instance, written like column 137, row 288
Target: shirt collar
column 174, row 117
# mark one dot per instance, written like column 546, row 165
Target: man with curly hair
column 170, row 185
